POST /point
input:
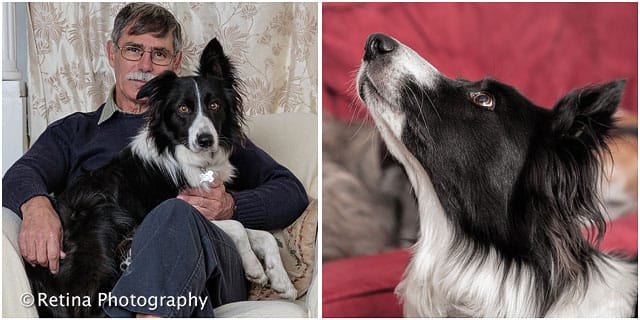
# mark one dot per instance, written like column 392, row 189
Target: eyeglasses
column 160, row 57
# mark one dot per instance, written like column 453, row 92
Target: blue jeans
column 182, row 265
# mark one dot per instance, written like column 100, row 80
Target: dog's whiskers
column 356, row 106
column 417, row 100
column 433, row 106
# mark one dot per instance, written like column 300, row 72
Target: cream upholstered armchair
column 291, row 139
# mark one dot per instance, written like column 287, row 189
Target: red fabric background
column 544, row 49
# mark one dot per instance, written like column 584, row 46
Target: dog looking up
column 504, row 189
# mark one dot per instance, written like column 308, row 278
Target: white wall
column 14, row 68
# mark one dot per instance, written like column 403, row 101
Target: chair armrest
column 311, row 298
column 15, row 283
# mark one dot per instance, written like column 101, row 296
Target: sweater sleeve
column 42, row 170
column 268, row 196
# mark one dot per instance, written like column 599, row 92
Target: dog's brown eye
column 183, row 109
column 482, row 99
column 214, row 106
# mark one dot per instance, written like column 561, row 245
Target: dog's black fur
column 539, row 170
column 102, row 208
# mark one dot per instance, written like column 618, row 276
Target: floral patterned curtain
column 274, row 46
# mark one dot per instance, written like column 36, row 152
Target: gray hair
column 146, row 18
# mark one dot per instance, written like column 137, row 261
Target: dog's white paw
column 286, row 290
column 280, row 282
column 256, row 274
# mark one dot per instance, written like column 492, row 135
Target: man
column 146, row 41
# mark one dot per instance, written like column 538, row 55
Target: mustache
column 140, row 76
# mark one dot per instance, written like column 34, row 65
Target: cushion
column 297, row 244
column 622, row 235
column 363, row 286
column 291, row 139
column 260, row 309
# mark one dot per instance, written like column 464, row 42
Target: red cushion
column 363, row 287
column 622, row 235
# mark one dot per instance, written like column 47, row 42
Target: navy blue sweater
column 267, row 195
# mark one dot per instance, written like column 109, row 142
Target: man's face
column 127, row 88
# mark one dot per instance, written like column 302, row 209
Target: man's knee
column 176, row 205
column 173, row 212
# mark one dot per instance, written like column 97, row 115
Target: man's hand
column 40, row 238
column 215, row 203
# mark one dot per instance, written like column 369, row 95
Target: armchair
column 291, row 139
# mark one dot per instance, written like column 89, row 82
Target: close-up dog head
column 512, row 139
column 509, row 174
column 201, row 113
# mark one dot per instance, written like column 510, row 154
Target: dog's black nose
column 378, row 44
column 205, row 140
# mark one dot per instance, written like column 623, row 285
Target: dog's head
column 202, row 113
column 507, row 172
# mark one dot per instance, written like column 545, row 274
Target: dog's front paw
column 280, row 282
column 255, row 274
column 285, row 289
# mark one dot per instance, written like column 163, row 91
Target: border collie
column 504, row 189
column 193, row 124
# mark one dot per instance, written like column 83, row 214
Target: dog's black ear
column 214, row 62
column 156, row 86
column 564, row 172
column 586, row 114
